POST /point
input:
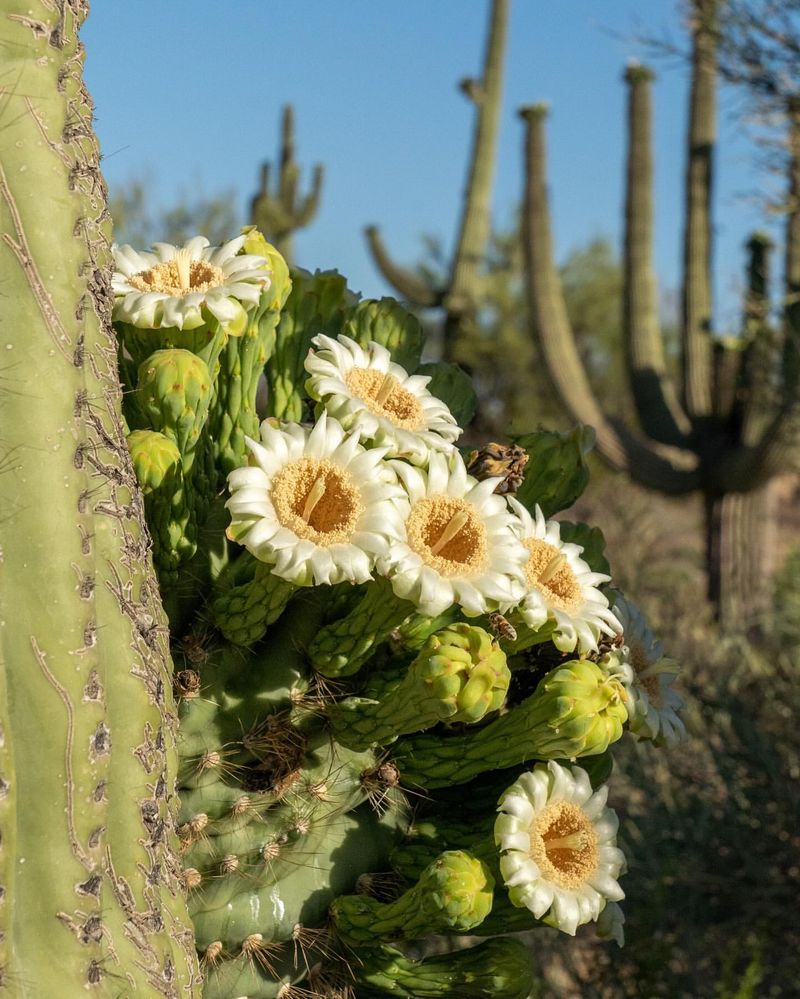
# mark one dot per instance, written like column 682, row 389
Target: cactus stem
column 456, row 523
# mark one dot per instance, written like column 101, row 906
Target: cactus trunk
column 93, row 888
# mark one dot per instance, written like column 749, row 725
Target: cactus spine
column 92, row 887
column 732, row 430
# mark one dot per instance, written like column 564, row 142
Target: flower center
column 385, row 396
column 179, row 276
column 564, row 844
column 644, row 677
column 449, row 535
column 548, row 571
column 317, row 500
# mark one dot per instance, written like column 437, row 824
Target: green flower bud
column 454, row 894
column 156, row 460
column 173, row 391
column 280, row 281
column 386, row 322
column 459, row 676
column 157, row 464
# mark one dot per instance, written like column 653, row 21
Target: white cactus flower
column 557, row 841
column 179, row 287
column 561, row 586
column 315, row 504
column 653, row 705
column 459, row 545
column 366, row 391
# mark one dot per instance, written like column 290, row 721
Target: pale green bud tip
column 174, row 370
column 281, row 282
column 155, row 458
column 464, row 665
column 585, row 709
column 461, row 886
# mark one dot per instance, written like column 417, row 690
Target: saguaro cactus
column 91, row 895
column 460, row 296
column 354, row 618
column 733, row 426
column 280, row 213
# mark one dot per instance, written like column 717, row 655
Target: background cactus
column 300, row 698
column 91, row 892
column 281, row 212
column 730, row 427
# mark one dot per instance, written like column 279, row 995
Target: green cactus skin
column 233, row 412
column 93, row 899
column 575, row 711
column 497, row 969
column 556, row 473
column 317, row 304
column 157, row 465
column 342, row 648
column 459, row 676
column 386, row 322
column 173, row 392
column 453, row 894
column 243, row 613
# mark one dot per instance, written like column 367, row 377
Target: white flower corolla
column 459, row 546
column 315, row 504
column 366, row 391
column 653, row 705
column 561, row 586
column 557, row 842
column 178, row 287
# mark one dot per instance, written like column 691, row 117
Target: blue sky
column 191, row 91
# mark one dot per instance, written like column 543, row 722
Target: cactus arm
column 669, row 469
column 657, row 405
column 475, row 222
column 280, row 214
column 760, row 363
column 83, row 656
column 696, row 305
column 791, row 312
column 408, row 285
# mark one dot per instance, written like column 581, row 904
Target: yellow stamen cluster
column 564, row 844
column 385, row 396
column 449, row 535
column 179, row 276
column 317, row 500
column 548, row 571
